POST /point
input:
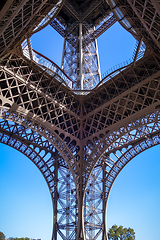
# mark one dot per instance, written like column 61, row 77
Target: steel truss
column 91, row 69
column 79, row 142
column 20, row 18
column 87, row 159
column 80, row 61
column 141, row 18
column 80, row 30
column 124, row 145
column 55, row 171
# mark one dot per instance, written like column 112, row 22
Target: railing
column 112, row 70
column 112, row 73
column 48, row 65
column 54, row 70
column 141, row 50
column 120, row 67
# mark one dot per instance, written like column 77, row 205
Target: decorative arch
column 53, row 168
column 123, row 145
column 101, row 181
column 123, row 135
column 63, row 143
column 125, row 155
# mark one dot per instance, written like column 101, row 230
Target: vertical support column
column 91, row 66
column 80, row 56
column 80, row 195
column 80, row 59
column 63, row 53
column 56, row 165
column 97, row 55
column 137, row 51
column 80, row 212
column 104, row 203
column 29, row 48
column 68, row 199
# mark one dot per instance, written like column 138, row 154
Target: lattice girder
column 30, row 97
column 122, row 136
column 43, row 160
column 80, row 143
column 52, row 136
column 20, row 19
column 54, row 169
column 80, row 62
column 80, row 23
column 136, row 101
column 70, row 103
column 119, row 82
column 115, row 140
column 109, row 166
column 39, row 93
column 147, row 130
column 142, row 19
column 93, row 205
column 88, row 39
column 111, row 110
column 122, row 157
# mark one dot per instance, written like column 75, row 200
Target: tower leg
column 80, row 59
column 54, row 237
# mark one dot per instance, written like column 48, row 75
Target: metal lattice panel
column 102, row 179
column 37, row 92
column 80, row 139
column 21, row 17
column 55, row 171
column 70, row 65
column 81, row 156
column 141, row 18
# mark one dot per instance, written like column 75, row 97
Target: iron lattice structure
column 78, row 129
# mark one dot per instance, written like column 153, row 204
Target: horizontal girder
column 32, row 89
column 141, row 18
column 21, row 87
column 67, row 32
column 80, row 142
column 20, row 19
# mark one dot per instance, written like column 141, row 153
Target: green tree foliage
column 121, row 233
column 26, row 238
column 2, row 236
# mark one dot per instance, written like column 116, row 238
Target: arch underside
column 51, row 119
column 112, row 161
column 80, row 143
column 135, row 138
column 82, row 129
column 54, row 170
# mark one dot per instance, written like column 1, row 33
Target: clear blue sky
column 25, row 202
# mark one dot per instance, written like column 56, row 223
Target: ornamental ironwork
column 80, row 129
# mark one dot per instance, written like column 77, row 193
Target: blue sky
column 134, row 198
column 25, row 202
column 115, row 46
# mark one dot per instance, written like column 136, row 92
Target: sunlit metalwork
column 78, row 128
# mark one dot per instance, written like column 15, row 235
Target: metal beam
column 144, row 23
column 80, row 57
column 156, row 6
column 91, row 8
column 72, row 10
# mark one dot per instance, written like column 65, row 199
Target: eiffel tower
column 79, row 129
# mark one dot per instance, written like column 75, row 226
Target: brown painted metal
column 81, row 140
